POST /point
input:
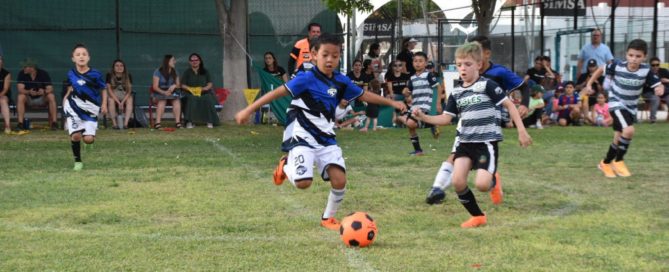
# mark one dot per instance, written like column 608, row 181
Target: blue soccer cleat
column 435, row 196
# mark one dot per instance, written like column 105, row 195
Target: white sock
column 334, row 200
column 289, row 174
column 443, row 178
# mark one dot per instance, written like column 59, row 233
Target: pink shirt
column 603, row 110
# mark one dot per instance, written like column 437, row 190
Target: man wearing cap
column 594, row 50
column 648, row 94
column 406, row 55
column 35, row 89
column 598, row 87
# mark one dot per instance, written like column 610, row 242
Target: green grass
column 203, row 200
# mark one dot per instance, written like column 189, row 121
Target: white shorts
column 74, row 125
column 301, row 159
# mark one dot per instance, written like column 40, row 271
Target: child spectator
column 600, row 115
column 623, row 102
column 372, row 109
column 396, row 81
column 345, row 116
column 536, row 108
column 84, row 100
column 309, row 136
column 475, row 100
column 567, row 106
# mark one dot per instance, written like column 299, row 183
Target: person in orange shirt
column 301, row 51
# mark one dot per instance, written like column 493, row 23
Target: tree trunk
column 483, row 10
column 232, row 26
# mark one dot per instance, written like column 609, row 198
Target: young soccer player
column 84, row 100
column 475, row 99
column 419, row 88
column 508, row 81
column 627, row 79
column 309, row 136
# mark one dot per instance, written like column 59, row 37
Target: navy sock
column 623, row 146
column 469, row 201
column 416, row 143
column 76, row 150
column 613, row 150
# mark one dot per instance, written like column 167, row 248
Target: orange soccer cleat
column 607, row 169
column 279, row 176
column 475, row 221
column 496, row 194
column 620, row 168
column 330, row 223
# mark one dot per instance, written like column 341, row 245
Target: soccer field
column 203, row 199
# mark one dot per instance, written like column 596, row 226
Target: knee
column 459, row 184
column 89, row 139
column 483, row 186
column 628, row 132
column 303, row 183
column 75, row 137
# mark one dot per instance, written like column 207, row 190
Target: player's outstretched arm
column 587, row 90
column 373, row 98
column 523, row 137
column 243, row 116
column 439, row 120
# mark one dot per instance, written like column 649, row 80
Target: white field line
column 575, row 201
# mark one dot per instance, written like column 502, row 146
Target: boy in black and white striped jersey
column 475, row 100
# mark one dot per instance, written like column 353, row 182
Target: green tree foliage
column 347, row 6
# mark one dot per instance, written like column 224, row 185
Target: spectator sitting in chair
column 35, row 90
column 166, row 88
column 200, row 99
column 5, row 80
column 119, row 88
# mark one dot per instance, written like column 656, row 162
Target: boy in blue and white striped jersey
column 476, row 100
column 626, row 81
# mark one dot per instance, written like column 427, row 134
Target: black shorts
column 483, row 155
column 622, row 119
column 372, row 110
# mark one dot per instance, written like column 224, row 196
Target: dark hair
column 356, row 60
column 327, row 39
column 312, row 43
column 540, row 58
column 420, row 54
column 654, row 59
column 366, row 64
column 375, row 86
column 200, row 70
column 482, row 40
column 275, row 64
column 79, row 45
column 166, row 70
column 313, row 25
column 125, row 78
column 547, row 58
column 569, row 83
column 372, row 48
column 638, row 44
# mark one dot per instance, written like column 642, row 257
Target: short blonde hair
column 470, row 49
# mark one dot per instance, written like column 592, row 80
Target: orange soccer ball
column 358, row 230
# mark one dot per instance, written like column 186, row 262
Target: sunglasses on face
column 655, row 64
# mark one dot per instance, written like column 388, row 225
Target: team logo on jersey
column 301, row 170
column 332, row 92
column 81, row 82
